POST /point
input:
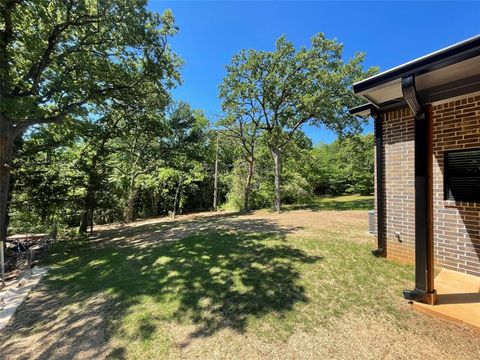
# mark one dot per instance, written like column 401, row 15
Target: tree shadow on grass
column 166, row 229
column 213, row 280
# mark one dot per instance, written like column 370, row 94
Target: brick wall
column 456, row 125
column 398, row 147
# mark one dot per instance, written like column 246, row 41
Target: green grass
column 344, row 202
column 265, row 284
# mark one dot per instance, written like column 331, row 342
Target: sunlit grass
column 269, row 285
column 344, row 202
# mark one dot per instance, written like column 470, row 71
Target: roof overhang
column 446, row 73
column 362, row 110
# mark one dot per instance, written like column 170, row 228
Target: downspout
column 422, row 160
column 380, row 250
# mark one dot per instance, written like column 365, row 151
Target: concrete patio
column 458, row 298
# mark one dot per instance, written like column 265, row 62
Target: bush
column 296, row 189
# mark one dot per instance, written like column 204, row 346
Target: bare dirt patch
column 44, row 328
column 300, row 222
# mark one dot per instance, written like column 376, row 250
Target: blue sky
column 389, row 32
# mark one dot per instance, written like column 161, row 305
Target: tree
column 344, row 166
column 186, row 143
column 97, row 134
column 286, row 89
column 243, row 114
column 139, row 149
column 59, row 58
column 355, row 156
column 123, row 160
column 245, row 129
column 45, row 173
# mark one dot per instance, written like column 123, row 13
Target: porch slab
column 458, row 298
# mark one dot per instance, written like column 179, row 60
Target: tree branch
column 21, row 127
column 37, row 68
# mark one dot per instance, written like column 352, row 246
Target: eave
column 446, row 73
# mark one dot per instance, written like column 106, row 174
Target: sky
column 390, row 33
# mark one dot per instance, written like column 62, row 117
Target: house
column 427, row 131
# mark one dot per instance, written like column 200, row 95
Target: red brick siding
column 456, row 125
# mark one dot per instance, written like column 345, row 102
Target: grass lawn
column 344, row 202
column 301, row 284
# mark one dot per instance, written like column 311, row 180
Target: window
column 462, row 175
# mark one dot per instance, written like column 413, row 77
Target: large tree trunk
column 177, row 196
column 6, row 157
column 83, row 222
column 92, row 186
column 277, row 161
column 130, row 211
column 4, row 192
column 91, row 219
column 89, row 206
column 155, row 203
column 248, row 185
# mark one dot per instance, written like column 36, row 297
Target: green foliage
column 172, row 163
column 235, row 182
column 63, row 57
column 46, row 179
column 64, row 60
column 287, row 88
column 277, row 92
column 126, row 162
column 344, row 166
column 296, row 189
column 110, row 144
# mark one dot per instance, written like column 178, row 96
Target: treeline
column 116, row 167
column 268, row 96
column 86, row 172
column 89, row 132
column 344, row 166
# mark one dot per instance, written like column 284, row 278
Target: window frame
column 447, row 194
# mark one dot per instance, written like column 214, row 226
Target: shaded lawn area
column 223, row 292
column 261, row 283
column 344, row 202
